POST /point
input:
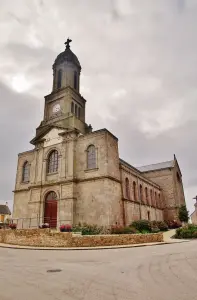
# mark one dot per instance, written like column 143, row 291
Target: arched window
column 134, row 191
column 91, row 157
column 151, row 197
column 72, row 108
column 146, row 195
column 51, row 196
column 75, row 80
column 127, row 188
column 141, row 193
column 59, row 79
column 53, row 162
column 25, row 176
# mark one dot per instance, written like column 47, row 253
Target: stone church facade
column 74, row 174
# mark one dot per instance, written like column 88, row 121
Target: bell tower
column 64, row 107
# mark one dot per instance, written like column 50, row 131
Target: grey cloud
column 147, row 49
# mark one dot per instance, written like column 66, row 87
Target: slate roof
column 69, row 56
column 159, row 166
column 4, row 210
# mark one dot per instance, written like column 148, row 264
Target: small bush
column 155, row 229
column 66, row 228
column 142, row 225
column 161, row 225
column 45, row 225
column 91, row 229
column 194, row 235
column 188, row 232
column 123, row 230
column 13, row 226
column 174, row 224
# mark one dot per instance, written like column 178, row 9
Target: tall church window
column 156, row 199
column 141, row 194
column 146, row 195
column 151, row 197
column 75, row 80
column 76, row 110
column 127, row 188
column 91, row 157
column 25, row 176
column 59, row 79
column 53, row 162
column 134, row 191
column 79, row 112
column 159, row 201
column 72, row 108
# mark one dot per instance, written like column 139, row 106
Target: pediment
column 53, row 137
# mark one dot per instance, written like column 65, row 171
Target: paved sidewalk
column 168, row 237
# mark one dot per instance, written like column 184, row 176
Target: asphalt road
column 149, row 273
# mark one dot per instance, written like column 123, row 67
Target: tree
column 183, row 214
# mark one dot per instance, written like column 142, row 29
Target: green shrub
column 145, row 231
column 123, row 230
column 188, row 232
column 155, row 229
column 142, row 225
column 86, row 229
column 91, row 230
column 194, row 235
column 162, row 226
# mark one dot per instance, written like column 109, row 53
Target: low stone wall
column 48, row 238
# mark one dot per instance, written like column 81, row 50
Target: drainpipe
column 40, row 183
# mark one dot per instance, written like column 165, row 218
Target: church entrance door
column 50, row 211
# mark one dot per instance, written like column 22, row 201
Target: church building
column 75, row 174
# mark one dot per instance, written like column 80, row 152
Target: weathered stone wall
column 46, row 238
column 134, row 211
column 98, row 202
column 194, row 217
column 173, row 193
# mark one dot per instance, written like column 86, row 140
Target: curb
column 8, row 246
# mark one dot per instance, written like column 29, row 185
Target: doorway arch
column 50, row 209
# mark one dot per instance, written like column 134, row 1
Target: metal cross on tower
column 67, row 43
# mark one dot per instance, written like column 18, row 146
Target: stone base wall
column 48, row 238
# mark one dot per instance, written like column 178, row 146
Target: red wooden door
column 50, row 213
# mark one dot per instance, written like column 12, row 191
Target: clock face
column 56, row 108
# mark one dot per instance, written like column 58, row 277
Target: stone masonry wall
column 46, row 238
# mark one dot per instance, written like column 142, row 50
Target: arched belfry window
column 59, row 79
column 127, row 188
column 25, row 176
column 75, row 80
column 53, row 162
column 91, row 157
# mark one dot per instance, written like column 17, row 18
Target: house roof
column 159, row 166
column 4, row 210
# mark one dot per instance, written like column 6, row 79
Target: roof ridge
column 156, row 163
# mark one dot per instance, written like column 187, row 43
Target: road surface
column 164, row 272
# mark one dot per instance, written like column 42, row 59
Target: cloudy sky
column 139, row 76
